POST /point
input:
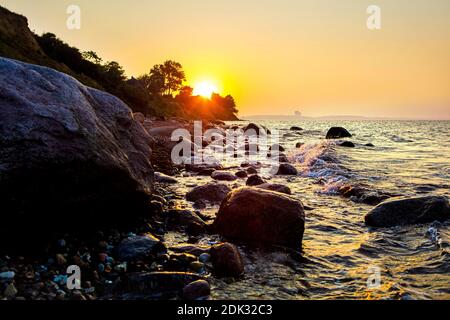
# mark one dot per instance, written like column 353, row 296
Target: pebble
column 9, row 275
column 10, row 291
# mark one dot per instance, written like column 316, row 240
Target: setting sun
column 205, row 89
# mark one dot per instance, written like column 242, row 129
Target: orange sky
column 276, row 56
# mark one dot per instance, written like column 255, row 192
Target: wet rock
column 187, row 219
column 204, row 168
column 338, row 133
column 252, row 170
column 255, row 180
column 241, row 174
column 162, row 178
column 226, row 260
column 10, row 291
column 223, row 176
column 280, row 158
column 347, row 144
column 196, row 290
column 296, row 128
column 286, row 169
column 67, row 148
column 400, row 212
column 139, row 117
column 7, row 276
column 363, row 195
column 261, row 216
column 204, row 257
column 139, row 248
column 61, row 260
column 253, row 129
column 276, row 187
column 299, row 145
column 189, row 248
column 212, row 192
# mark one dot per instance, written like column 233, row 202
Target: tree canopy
column 161, row 92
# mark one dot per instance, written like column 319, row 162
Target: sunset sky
column 276, row 56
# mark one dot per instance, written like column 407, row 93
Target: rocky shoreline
column 135, row 235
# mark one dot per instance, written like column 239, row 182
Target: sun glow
column 205, row 89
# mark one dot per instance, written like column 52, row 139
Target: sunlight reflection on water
column 409, row 158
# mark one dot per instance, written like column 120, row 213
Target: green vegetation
column 160, row 93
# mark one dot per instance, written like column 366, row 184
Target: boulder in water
column 347, row 144
column 286, row 169
column 338, row 133
column 400, row 212
column 255, row 180
column 261, row 217
column 275, row 187
column 223, row 176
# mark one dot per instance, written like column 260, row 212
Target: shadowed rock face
column 67, row 150
column 261, row 217
column 338, row 133
column 409, row 211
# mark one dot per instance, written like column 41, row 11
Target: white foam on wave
column 319, row 161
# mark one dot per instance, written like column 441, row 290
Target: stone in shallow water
column 276, row 187
column 196, row 290
column 262, row 217
column 223, row 176
column 400, row 212
column 67, row 148
column 338, row 133
column 139, row 247
column 155, row 284
column 227, row 260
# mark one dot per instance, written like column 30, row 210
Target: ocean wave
column 320, row 161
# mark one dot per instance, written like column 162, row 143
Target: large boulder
column 67, row 152
column 338, row 133
column 400, row 212
column 275, row 187
column 261, row 217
